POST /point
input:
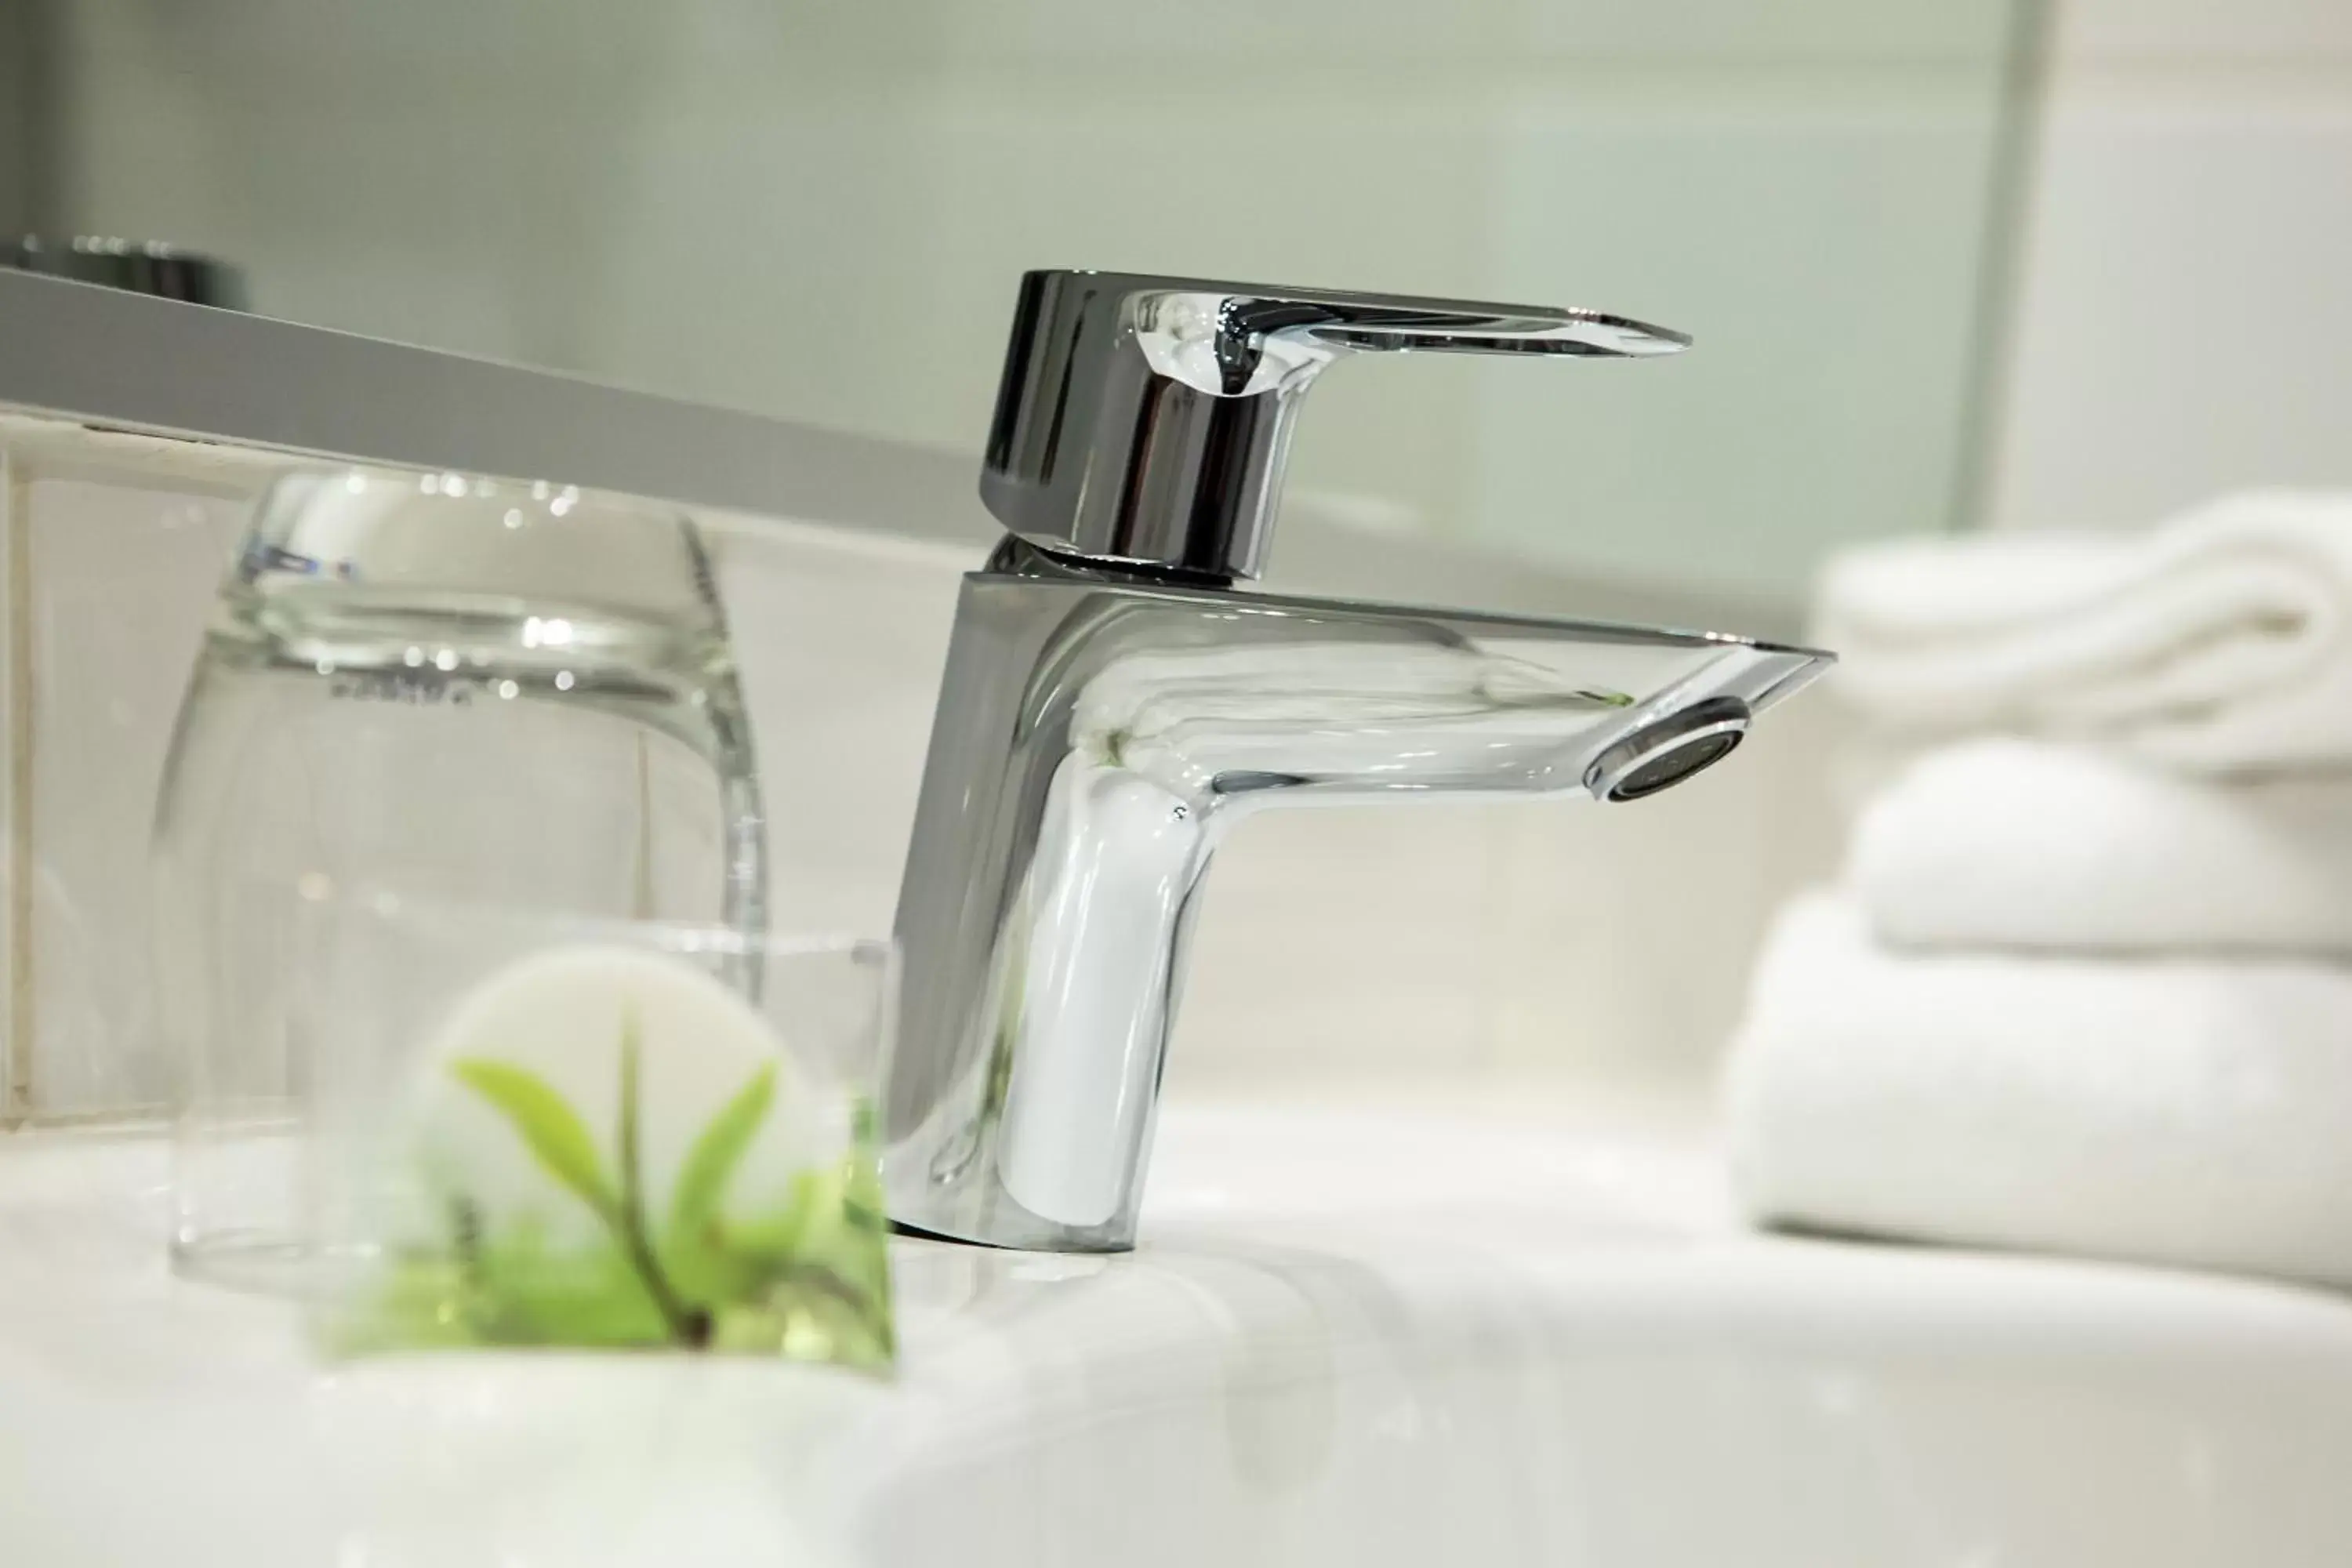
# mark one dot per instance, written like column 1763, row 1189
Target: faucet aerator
column 1664, row 754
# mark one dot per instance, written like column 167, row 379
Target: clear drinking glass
column 478, row 689
column 528, row 1130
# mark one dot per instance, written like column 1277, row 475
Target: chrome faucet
column 1113, row 704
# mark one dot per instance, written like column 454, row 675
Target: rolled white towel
column 2219, row 642
column 2001, row 843
column 2192, row 1112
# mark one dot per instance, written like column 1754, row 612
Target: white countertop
column 1353, row 1335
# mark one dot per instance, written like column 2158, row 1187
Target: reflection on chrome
column 1112, row 706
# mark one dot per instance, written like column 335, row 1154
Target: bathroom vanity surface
column 1355, row 1337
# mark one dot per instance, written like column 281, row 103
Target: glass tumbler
column 528, row 1130
column 480, row 689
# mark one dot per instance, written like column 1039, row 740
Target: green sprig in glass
column 808, row 1278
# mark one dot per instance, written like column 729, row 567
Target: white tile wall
column 122, row 574
column 1543, row 942
column 2183, row 310
column 1547, row 939
column 14, row 869
column 1350, row 939
column 1624, row 932
column 120, row 538
column 841, row 640
column 1334, row 945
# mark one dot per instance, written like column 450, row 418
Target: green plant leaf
column 628, row 1222
column 717, row 1149
column 548, row 1127
column 632, row 1180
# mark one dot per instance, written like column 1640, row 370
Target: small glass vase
column 539, row 1130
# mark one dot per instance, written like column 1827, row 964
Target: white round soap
column 559, row 1015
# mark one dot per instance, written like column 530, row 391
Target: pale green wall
column 819, row 210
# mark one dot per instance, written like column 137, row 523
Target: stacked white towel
column 2087, row 985
column 2219, row 644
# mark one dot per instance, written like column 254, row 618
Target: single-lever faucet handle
column 1144, row 420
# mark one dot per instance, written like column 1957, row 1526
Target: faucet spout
column 1099, row 729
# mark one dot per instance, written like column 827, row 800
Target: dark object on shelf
column 140, row 266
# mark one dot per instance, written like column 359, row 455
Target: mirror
column 821, row 211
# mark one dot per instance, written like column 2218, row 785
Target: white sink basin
column 1348, row 1339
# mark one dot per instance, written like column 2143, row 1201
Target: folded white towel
column 2005, row 843
column 2192, row 1112
column 2221, row 642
